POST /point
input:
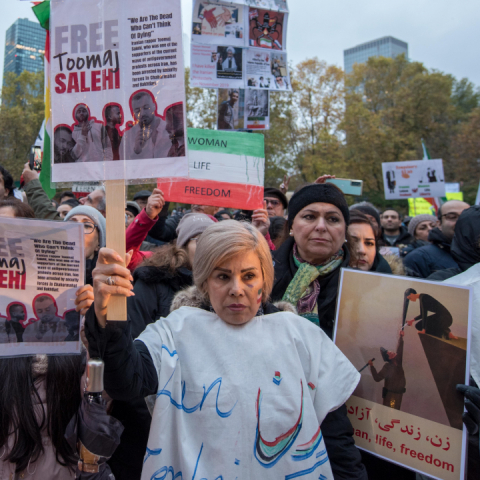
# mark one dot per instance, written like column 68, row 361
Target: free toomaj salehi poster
column 226, row 170
column 42, row 264
column 410, row 340
column 117, row 90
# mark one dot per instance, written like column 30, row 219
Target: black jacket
column 424, row 261
column 465, row 247
column 403, row 239
column 131, row 374
column 285, row 270
column 154, row 291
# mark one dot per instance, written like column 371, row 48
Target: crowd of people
column 192, row 279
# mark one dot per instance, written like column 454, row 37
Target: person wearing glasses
column 276, row 200
column 424, row 261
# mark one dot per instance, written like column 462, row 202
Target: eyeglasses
column 89, row 228
column 451, row 216
column 273, row 203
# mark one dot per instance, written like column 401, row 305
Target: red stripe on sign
column 209, row 192
column 256, row 126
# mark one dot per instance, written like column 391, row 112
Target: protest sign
column 240, row 109
column 418, row 178
column 217, row 66
column 267, row 70
column 420, row 206
column 411, row 341
column 217, row 23
column 41, row 266
column 239, row 44
column 226, row 170
column 118, row 94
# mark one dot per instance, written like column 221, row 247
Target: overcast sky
column 443, row 34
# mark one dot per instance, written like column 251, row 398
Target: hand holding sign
column 84, row 299
column 110, row 278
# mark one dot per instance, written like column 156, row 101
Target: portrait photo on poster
column 217, row 23
column 117, row 90
column 410, row 340
column 42, row 265
column 229, row 63
column 231, row 109
column 266, row 29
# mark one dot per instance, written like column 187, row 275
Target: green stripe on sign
column 232, row 143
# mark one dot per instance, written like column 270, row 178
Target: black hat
column 367, row 210
column 384, row 353
column 142, row 194
column 133, row 207
column 275, row 192
column 322, row 193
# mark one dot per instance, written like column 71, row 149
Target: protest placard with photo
column 418, row 178
column 217, row 66
column 267, row 70
column 218, row 23
column 266, row 29
column 118, row 93
column 410, row 339
column 226, row 170
column 240, row 109
column 41, row 266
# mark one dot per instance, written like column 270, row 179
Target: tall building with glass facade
column 383, row 47
column 24, row 47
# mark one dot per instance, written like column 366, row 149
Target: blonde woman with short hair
column 239, row 389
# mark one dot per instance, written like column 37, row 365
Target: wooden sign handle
column 115, row 199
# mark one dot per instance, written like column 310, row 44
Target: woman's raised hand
column 110, row 278
column 261, row 220
column 84, row 298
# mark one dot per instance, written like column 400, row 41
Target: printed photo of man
column 229, row 65
column 228, row 111
column 87, row 133
column 48, row 327
column 16, row 315
column 148, row 138
column 64, row 147
column 229, row 62
column 176, row 131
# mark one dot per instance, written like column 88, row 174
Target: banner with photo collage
column 240, row 44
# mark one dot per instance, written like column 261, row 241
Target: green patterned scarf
column 303, row 290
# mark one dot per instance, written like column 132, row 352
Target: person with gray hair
column 228, row 111
column 224, row 365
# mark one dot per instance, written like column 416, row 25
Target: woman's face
column 363, row 239
column 63, row 209
column 129, row 218
column 91, row 239
column 423, row 229
column 235, row 288
column 319, row 232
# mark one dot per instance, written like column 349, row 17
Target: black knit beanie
column 321, row 193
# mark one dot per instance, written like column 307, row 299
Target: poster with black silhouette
column 42, row 265
column 411, row 341
column 415, row 179
column 117, row 90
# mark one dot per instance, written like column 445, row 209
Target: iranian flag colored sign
column 226, row 169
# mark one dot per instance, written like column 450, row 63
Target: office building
column 382, row 47
column 24, row 47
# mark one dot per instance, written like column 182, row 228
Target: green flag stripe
column 42, row 12
column 233, row 143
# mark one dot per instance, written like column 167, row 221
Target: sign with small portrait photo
column 42, row 264
column 117, row 90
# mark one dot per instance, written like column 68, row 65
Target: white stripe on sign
column 226, row 168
